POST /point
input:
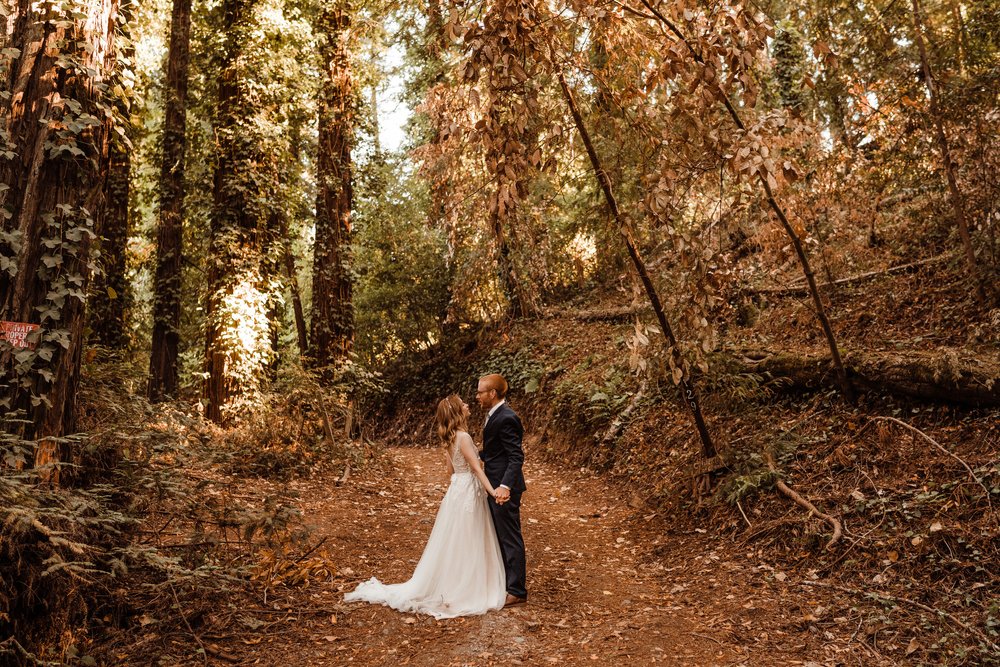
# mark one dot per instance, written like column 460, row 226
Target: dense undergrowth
column 148, row 531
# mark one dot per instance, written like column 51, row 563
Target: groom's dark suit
column 502, row 458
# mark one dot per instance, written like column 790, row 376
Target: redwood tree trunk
column 169, row 244
column 238, row 341
column 332, row 311
column 293, row 283
column 54, row 123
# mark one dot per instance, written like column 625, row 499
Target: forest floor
column 608, row 580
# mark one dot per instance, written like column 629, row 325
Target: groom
column 502, row 458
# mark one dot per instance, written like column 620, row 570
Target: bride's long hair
column 450, row 419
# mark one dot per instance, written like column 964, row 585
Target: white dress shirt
column 492, row 410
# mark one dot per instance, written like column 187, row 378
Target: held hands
column 501, row 495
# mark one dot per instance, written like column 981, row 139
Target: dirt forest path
column 593, row 595
column 607, row 582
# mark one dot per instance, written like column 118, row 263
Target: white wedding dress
column 461, row 572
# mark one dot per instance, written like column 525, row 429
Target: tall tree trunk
column 112, row 294
column 169, row 244
column 957, row 200
column 332, row 333
column 689, row 394
column 239, row 330
column 55, row 124
column 110, row 297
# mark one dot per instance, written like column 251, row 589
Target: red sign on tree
column 16, row 333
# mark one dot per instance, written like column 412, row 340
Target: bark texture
column 169, row 234
column 111, row 297
column 332, row 335
column 55, row 126
column 239, row 332
column 941, row 376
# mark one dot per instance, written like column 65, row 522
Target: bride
column 461, row 572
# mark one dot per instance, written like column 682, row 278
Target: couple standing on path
column 472, row 563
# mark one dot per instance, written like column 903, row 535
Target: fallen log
column 618, row 314
column 802, row 289
column 619, row 423
column 943, row 376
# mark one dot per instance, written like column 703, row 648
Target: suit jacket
column 502, row 454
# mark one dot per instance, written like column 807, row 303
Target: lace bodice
column 458, row 461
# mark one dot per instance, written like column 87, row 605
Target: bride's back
column 458, row 461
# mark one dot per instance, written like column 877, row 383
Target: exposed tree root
column 802, row 501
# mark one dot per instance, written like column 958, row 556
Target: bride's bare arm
column 468, row 449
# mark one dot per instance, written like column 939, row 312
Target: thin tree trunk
column 54, row 191
column 332, row 335
column 292, row 172
column 961, row 36
column 111, row 297
column 834, row 89
column 688, row 392
column 293, row 284
column 845, row 382
column 376, row 133
column 163, row 379
column 957, row 200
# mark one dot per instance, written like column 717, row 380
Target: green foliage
column 789, row 66
column 243, row 323
column 755, row 479
column 402, row 277
column 521, row 370
column 591, row 394
column 729, row 383
column 65, row 264
column 54, row 544
column 751, row 474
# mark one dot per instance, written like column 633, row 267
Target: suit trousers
column 507, row 521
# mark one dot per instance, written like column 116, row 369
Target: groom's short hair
column 495, row 382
